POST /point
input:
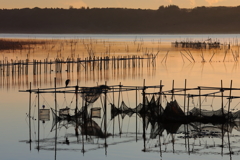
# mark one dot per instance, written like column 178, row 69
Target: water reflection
column 89, row 129
column 97, row 60
column 159, row 122
column 43, row 73
column 123, row 70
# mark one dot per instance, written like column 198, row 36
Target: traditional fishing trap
column 155, row 116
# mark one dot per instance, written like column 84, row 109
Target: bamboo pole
column 55, row 99
column 105, row 117
column 160, row 99
column 38, row 121
column 120, row 132
column 113, row 106
column 200, row 101
column 184, row 100
column 230, row 94
column 222, row 90
column 29, row 114
column 76, row 110
column 144, row 135
column 136, row 113
column 172, row 90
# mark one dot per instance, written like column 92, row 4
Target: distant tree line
column 166, row 19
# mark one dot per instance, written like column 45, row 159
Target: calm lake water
column 168, row 65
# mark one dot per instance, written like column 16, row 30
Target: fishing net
column 91, row 94
column 150, row 112
column 208, row 113
column 171, row 127
column 64, row 119
column 114, row 111
column 64, row 111
column 123, row 110
column 156, row 129
column 91, row 128
column 173, row 109
column 153, row 110
column 226, row 127
column 126, row 110
column 236, row 115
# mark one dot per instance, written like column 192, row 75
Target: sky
column 143, row 4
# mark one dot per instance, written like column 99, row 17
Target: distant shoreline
column 165, row 20
column 119, row 33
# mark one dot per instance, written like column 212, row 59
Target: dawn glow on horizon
column 143, row 4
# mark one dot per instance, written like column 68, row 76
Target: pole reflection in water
column 165, row 120
column 91, row 70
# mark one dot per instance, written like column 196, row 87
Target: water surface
column 14, row 104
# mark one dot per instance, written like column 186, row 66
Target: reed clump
column 14, row 44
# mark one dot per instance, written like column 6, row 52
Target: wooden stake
column 184, row 100
column 38, row 120
column 136, row 113
column 29, row 114
column 230, row 94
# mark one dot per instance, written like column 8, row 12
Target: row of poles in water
column 143, row 88
column 89, row 64
column 85, row 68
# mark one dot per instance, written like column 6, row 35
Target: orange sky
column 144, row 4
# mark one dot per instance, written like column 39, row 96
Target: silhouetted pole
column 38, row 119
column 200, row 107
column 160, row 145
column 76, row 110
column 120, row 132
column 230, row 95
column 187, row 125
column 222, row 90
column 188, row 141
column 172, row 89
column 29, row 114
column 185, row 90
column 188, row 105
column 160, row 99
column 136, row 113
column 50, row 66
column 144, row 136
column 55, row 100
column 160, row 114
column 229, row 144
column 173, row 140
column 222, row 138
column 113, row 106
column 85, row 119
column 105, row 117
column 76, row 129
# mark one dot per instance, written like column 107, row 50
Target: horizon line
column 83, row 7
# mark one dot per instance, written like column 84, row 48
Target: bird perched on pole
column 67, row 82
